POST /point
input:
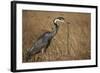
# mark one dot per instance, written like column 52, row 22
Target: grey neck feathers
column 55, row 29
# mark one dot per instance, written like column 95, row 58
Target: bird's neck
column 55, row 29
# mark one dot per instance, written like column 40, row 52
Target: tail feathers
column 28, row 56
column 30, row 53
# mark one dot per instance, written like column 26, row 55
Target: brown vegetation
column 72, row 42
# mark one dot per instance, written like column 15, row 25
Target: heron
column 44, row 41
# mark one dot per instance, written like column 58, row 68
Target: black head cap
column 60, row 18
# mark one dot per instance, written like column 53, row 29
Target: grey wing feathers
column 42, row 42
column 35, row 48
column 38, row 46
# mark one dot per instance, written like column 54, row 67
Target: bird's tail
column 28, row 56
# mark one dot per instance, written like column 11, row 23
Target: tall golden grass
column 72, row 42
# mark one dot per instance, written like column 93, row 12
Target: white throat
column 57, row 20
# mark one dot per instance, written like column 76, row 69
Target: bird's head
column 59, row 20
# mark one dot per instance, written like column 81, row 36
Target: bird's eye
column 60, row 19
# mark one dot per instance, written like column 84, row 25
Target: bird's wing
column 38, row 46
column 48, row 44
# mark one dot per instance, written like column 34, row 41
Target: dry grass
column 72, row 41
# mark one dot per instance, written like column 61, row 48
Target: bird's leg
column 43, row 50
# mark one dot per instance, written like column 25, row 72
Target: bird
column 44, row 41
